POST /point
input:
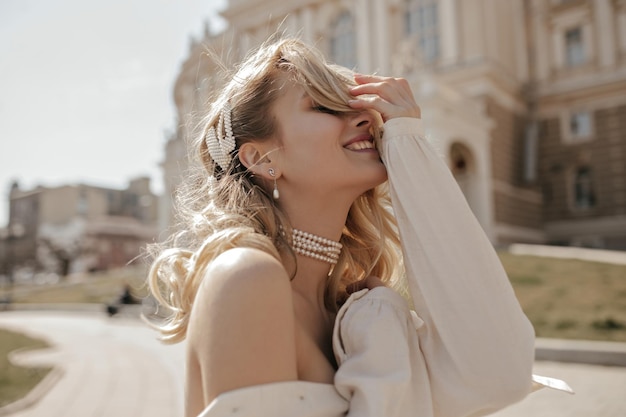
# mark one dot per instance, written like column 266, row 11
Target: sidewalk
column 589, row 352
column 104, row 367
column 569, row 252
column 599, row 392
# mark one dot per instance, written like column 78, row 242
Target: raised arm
column 477, row 344
column 476, row 339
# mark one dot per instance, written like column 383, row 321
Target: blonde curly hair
column 220, row 209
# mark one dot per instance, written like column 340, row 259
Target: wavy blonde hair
column 220, row 209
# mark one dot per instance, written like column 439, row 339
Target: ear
column 255, row 157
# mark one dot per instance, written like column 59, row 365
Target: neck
column 326, row 221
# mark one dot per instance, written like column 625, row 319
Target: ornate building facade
column 77, row 228
column 526, row 99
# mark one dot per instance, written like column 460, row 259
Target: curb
column 128, row 309
column 85, row 307
column 581, row 351
column 569, row 252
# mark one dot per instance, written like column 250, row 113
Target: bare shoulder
column 241, row 267
column 242, row 280
column 242, row 327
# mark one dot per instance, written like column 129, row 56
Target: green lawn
column 100, row 288
column 15, row 381
column 570, row 299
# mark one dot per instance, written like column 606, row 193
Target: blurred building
column 77, row 228
column 526, row 98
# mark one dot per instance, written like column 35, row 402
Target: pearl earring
column 275, row 193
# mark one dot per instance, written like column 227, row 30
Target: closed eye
column 326, row 110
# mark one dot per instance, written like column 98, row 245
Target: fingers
column 370, row 282
column 391, row 97
column 376, row 103
column 386, row 87
column 355, row 286
column 368, row 78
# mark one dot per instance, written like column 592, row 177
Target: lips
column 360, row 143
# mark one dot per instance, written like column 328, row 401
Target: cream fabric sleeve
column 381, row 369
column 281, row 399
column 477, row 343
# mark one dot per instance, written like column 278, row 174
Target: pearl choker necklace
column 316, row 247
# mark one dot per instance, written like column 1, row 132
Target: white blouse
column 466, row 350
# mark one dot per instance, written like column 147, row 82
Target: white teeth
column 357, row 146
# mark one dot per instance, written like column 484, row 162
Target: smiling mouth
column 361, row 145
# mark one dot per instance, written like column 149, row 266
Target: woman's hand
column 370, row 283
column 391, row 97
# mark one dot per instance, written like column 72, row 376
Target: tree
column 61, row 245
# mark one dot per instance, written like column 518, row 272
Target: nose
column 363, row 119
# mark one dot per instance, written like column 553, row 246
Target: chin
column 378, row 179
column 382, row 175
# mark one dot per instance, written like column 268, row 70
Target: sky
column 86, row 88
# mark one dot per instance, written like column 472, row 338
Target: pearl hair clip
column 221, row 142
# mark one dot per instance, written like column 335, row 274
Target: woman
column 283, row 280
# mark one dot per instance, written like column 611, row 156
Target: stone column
column 490, row 29
column 484, row 209
column 605, row 30
column 382, row 59
column 363, row 39
column 308, row 25
column 621, row 27
column 245, row 43
column 448, row 32
column 519, row 36
column 558, row 49
column 293, row 23
column 542, row 55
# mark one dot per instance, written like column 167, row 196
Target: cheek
column 312, row 158
column 312, row 141
column 320, row 134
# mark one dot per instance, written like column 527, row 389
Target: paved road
column 600, row 392
column 116, row 368
column 112, row 367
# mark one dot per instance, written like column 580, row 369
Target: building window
column 574, row 47
column 463, row 167
column 422, row 22
column 83, row 204
column 460, row 160
column 577, row 126
column 580, row 124
column 531, row 138
column 343, row 41
column 562, row 2
column 584, row 195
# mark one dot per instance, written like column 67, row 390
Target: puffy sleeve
column 477, row 344
column 381, row 371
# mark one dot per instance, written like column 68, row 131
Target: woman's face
column 322, row 152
